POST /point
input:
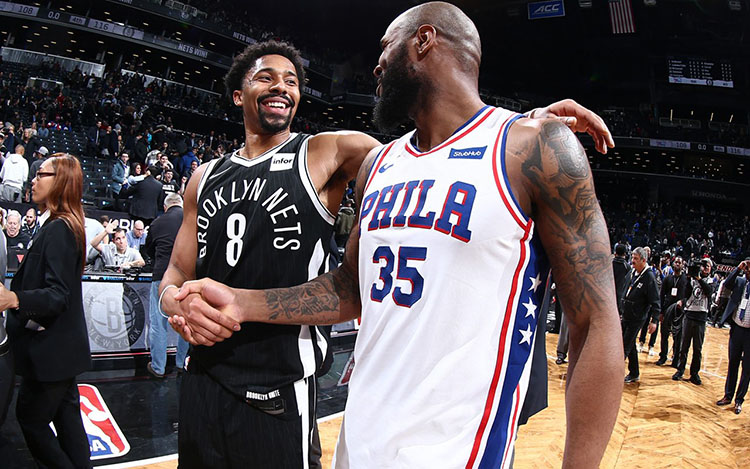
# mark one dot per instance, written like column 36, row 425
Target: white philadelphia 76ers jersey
column 451, row 280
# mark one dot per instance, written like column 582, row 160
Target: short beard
column 399, row 92
column 274, row 126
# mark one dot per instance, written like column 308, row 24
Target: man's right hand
column 112, row 226
column 206, row 312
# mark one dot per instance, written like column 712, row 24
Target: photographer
column 696, row 307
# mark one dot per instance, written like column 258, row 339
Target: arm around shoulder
column 558, row 187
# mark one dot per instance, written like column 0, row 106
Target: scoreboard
column 694, row 71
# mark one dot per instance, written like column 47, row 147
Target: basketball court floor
column 661, row 424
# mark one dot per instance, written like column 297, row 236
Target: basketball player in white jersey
column 449, row 270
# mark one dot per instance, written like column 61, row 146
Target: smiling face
column 270, row 95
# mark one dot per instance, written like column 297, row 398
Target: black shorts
column 218, row 429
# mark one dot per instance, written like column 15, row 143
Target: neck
column 444, row 108
column 256, row 144
column 122, row 251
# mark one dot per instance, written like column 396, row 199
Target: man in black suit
column 738, row 310
column 159, row 244
column 146, row 194
column 673, row 289
column 641, row 303
column 622, row 271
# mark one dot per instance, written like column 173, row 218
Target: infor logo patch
column 282, row 161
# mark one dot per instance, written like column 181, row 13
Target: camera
column 693, row 269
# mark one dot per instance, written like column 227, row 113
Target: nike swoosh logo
column 218, row 174
column 384, row 168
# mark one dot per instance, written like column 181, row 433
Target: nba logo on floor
column 105, row 437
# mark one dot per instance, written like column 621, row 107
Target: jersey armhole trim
column 503, row 183
column 204, row 178
column 304, row 171
column 376, row 164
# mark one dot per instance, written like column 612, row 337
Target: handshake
column 203, row 312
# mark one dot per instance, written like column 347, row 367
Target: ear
column 426, row 35
column 237, row 97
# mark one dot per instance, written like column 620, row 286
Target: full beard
column 399, row 92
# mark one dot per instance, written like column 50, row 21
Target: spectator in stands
column 163, row 163
column 30, row 225
column 92, row 139
column 3, row 148
column 41, row 156
column 13, row 233
column 162, row 234
column 117, row 253
column 184, row 164
column 10, row 136
column 141, row 148
column 137, row 236
column 14, row 173
column 30, row 144
column 145, row 197
column 136, row 175
column 120, row 172
column 168, row 184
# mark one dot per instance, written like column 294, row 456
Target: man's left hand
column 579, row 119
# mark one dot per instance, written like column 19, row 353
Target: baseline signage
column 106, row 440
column 549, row 9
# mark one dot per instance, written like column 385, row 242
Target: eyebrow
column 274, row 70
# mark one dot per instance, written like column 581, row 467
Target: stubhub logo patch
column 468, row 153
column 282, row 161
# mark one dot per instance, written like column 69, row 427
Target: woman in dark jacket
column 46, row 324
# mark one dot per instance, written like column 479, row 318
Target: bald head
column 452, row 26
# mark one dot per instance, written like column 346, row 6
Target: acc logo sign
column 548, row 9
column 105, row 437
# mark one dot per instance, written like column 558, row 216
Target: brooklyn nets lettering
column 252, row 190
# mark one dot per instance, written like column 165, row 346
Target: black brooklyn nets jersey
column 261, row 225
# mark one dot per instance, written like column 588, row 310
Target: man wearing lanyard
column 738, row 309
column 640, row 304
column 673, row 289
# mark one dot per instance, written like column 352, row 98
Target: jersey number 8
column 236, row 224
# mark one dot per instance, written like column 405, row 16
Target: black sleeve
column 665, row 287
column 732, row 279
column 706, row 287
column 46, row 303
column 653, row 298
column 150, row 243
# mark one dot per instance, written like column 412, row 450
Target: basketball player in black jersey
column 262, row 218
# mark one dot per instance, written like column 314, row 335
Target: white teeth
column 276, row 105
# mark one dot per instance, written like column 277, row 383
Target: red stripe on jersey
column 512, row 432
column 500, row 352
column 496, row 172
column 451, row 141
column 377, row 166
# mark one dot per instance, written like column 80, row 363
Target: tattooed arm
column 329, row 299
column 552, row 180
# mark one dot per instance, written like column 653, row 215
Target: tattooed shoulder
column 566, row 149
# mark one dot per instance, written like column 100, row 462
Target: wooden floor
column 662, row 423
